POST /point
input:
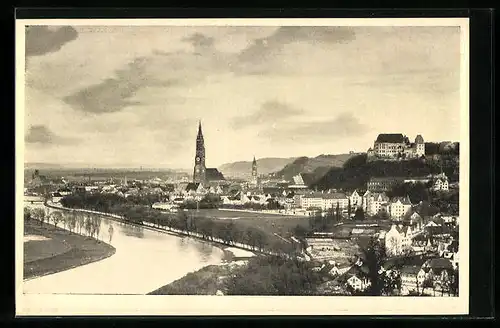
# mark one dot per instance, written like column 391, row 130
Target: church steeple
column 199, row 164
column 254, row 172
column 200, row 132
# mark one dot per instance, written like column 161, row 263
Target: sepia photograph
column 288, row 166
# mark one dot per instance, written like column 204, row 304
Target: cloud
column 269, row 112
column 41, row 134
column 343, row 126
column 200, row 42
column 115, row 94
column 262, row 48
column 41, row 40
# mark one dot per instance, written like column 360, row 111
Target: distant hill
column 42, row 166
column 243, row 169
column 314, row 167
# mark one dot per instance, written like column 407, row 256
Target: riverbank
column 272, row 212
column 48, row 250
column 209, row 280
column 168, row 230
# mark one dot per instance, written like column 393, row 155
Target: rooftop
column 391, row 138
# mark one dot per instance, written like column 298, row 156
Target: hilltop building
column 202, row 174
column 393, row 146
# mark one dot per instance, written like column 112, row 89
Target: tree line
column 210, row 229
column 356, row 171
column 88, row 224
column 272, row 275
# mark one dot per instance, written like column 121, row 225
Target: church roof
column 419, row 139
column 212, row 174
column 391, row 138
column 192, row 186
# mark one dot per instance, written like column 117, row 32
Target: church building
column 203, row 175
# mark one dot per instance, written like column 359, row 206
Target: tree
column 88, row 226
column 359, row 214
column 272, row 275
column 299, row 231
column 39, row 214
column 72, row 217
column 80, row 218
column 183, row 220
column 349, row 209
column 337, row 213
column 428, row 283
column 96, row 225
column 374, row 257
column 27, row 213
column 56, row 217
column 453, row 282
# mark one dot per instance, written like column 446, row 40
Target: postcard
column 242, row 166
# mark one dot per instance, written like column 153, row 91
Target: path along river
column 144, row 261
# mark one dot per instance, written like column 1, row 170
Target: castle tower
column 254, row 172
column 199, row 163
column 420, row 145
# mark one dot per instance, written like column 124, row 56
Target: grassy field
column 52, row 250
column 270, row 224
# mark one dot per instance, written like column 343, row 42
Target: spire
column 254, row 161
column 199, row 128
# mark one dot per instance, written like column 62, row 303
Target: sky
column 129, row 96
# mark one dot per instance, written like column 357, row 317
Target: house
column 438, row 270
column 324, row 201
column 357, row 276
column 412, row 278
column 372, row 202
column 217, row 190
column 195, row 188
column 64, row 191
column 165, row 206
column 399, row 207
column 91, row 188
column 441, row 183
column 415, row 221
column 356, row 199
column 56, row 197
column 382, row 184
column 398, row 240
column 423, row 180
column 254, row 199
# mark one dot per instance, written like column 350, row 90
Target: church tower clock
column 199, row 161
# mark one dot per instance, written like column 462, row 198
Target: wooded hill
column 356, row 171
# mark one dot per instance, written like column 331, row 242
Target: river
column 144, row 261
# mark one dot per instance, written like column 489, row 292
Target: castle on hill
column 396, row 146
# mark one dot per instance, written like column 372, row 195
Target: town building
column 441, row 183
column 393, row 146
column 382, row 184
column 356, row 199
column 399, row 207
column 398, row 240
column 324, row 201
column 374, row 202
column 357, row 277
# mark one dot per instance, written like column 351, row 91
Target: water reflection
column 182, row 243
column 204, row 250
column 132, row 231
column 148, row 259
